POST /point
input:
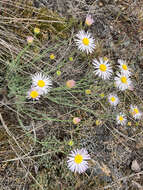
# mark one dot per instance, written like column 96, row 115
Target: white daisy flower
column 122, row 81
column 34, row 93
column 77, row 160
column 85, row 41
column 135, row 112
column 113, row 99
column 103, row 68
column 121, row 119
column 42, row 82
column 124, row 67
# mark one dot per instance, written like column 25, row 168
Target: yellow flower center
column 121, row 118
column 124, row 79
column 112, row 99
column 85, row 41
column 41, row 83
column 103, row 67
column 34, row 94
column 124, row 67
column 78, row 159
column 135, row 111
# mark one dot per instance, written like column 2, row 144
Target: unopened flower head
column 124, row 67
column 105, row 59
column 71, row 143
column 121, row 119
column 58, row 72
column 85, row 41
column 137, row 123
column 122, row 81
column 78, row 161
column 70, row 58
column 87, row 91
column 113, row 99
column 34, row 93
column 135, row 112
column 102, row 68
column 42, row 82
column 76, row 120
column 36, row 30
column 52, row 56
column 98, row 122
column 89, row 20
column 102, row 95
column 30, row 39
column 70, row 83
column 131, row 87
column 129, row 123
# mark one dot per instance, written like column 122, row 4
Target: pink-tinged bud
column 70, row 83
column 89, row 20
column 30, row 39
column 76, row 120
column 131, row 87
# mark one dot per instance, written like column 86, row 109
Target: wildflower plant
column 124, row 67
column 41, row 82
column 103, row 68
column 77, row 161
column 113, row 99
column 122, row 81
column 82, row 96
column 34, row 93
column 121, row 119
column 135, row 112
column 85, row 42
